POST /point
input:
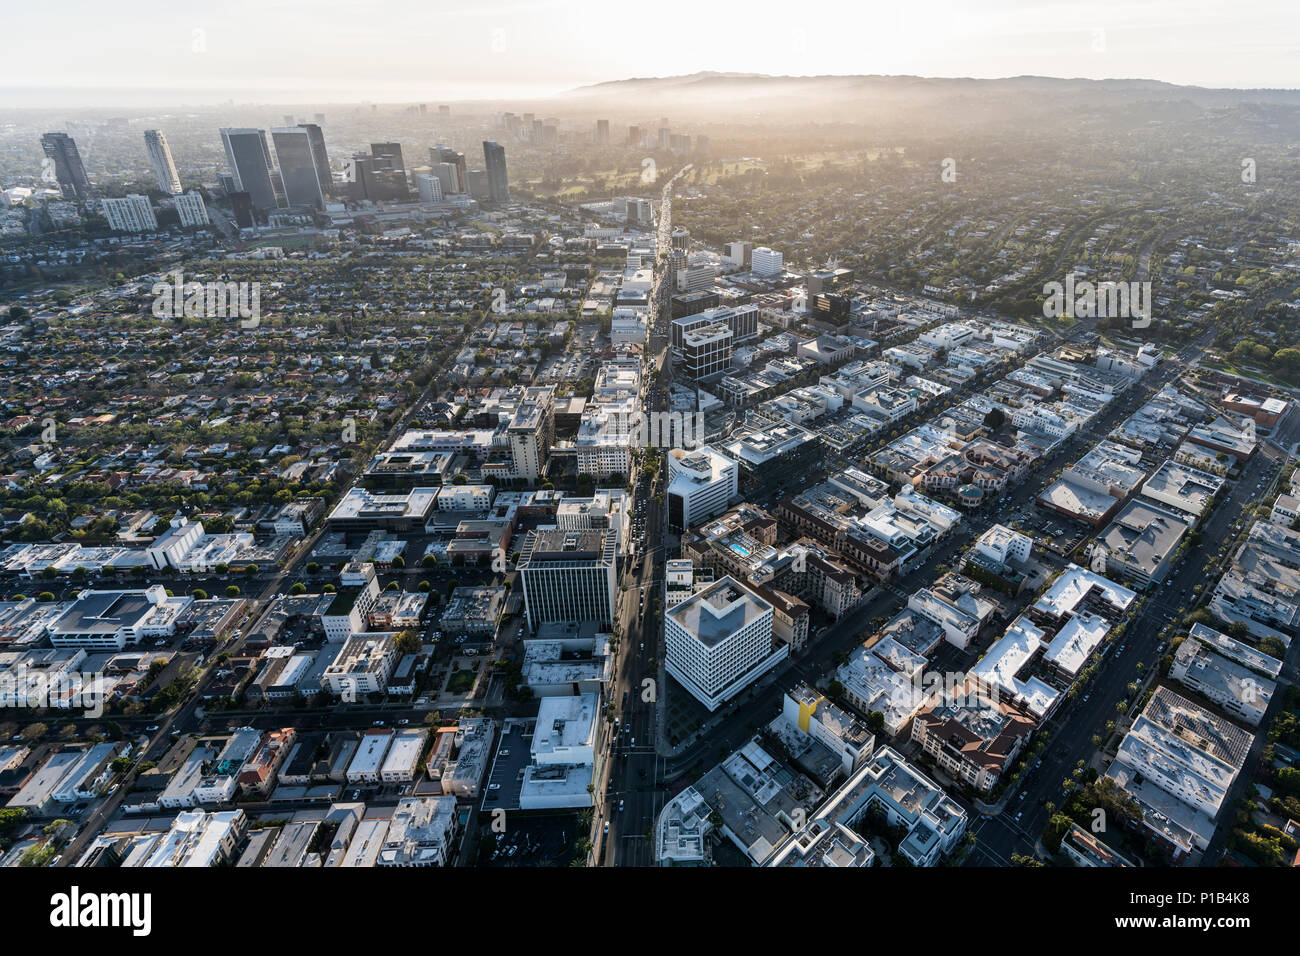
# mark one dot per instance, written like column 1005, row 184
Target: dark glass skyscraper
column 494, row 158
column 249, row 159
column 68, row 168
column 319, row 155
column 293, row 151
column 394, row 153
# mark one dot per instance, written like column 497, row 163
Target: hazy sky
column 138, row 52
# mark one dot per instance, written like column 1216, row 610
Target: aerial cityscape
column 665, row 468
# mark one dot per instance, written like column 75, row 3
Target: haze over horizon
column 294, row 51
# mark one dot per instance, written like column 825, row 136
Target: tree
column 407, row 642
column 876, row 722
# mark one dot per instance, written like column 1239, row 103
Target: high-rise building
column 569, row 576
column 494, row 159
column 448, row 177
column 532, row 432
column 249, row 159
column 360, row 176
column 766, row 262
column 701, row 484
column 602, row 132
column 160, row 158
column 68, row 168
column 445, row 154
column 429, row 187
column 319, row 154
column 131, row 214
column 719, row 641
column 634, row 135
column 190, row 207
column 739, row 254
column 298, row 170
column 391, row 150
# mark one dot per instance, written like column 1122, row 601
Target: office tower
column 766, row 262
column 293, row 151
column 68, row 168
column 739, row 254
column 665, row 137
column 701, row 484
column 719, row 641
column 391, row 150
column 319, row 119
column 191, row 209
column 478, row 185
column 634, row 135
column 448, row 177
column 681, row 238
column 602, row 132
column 494, row 158
column 359, row 174
column 702, row 146
column 132, row 214
column 160, row 158
column 569, row 576
column 532, row 432
column 288, row 119
column 227, row 183
column 429, row 187
column 249, row 159
column 445, row 154
column 424, row 109
column 320, row 156
column 444, row 110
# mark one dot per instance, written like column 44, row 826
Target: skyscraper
column 391, row 150
column 320, row 156
column 68, row 169
column 494, row 158
column 160, row 158
column 293, row 151
column 249, row 159
column 445, row 154
column 602, row 132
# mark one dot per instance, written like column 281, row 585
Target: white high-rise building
column 719, row 641
column 531, row 432
column 131, row 214
column 160, row 158
column 430, row 187
column 766, row 262
column 701, row 484
column 191, row 209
